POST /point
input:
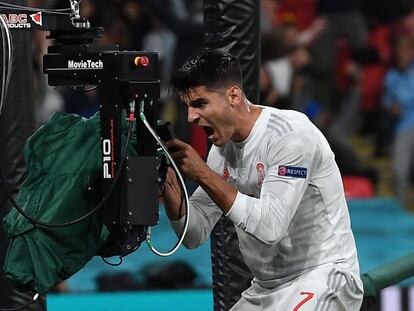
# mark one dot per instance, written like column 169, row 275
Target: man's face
column 404, row 52
column 212, row 111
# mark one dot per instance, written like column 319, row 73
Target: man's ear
column 235, row 95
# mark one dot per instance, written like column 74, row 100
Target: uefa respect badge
column 292, row 171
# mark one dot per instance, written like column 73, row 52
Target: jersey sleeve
column 290, row 162
column 204, row 213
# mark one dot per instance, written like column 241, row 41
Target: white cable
column 187, row 203
column 7, row 60
column 6, row 64
column 3, row 76
column 10, row 61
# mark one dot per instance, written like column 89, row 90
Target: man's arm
column 203, row 215
column 192, row 166
column 172, row 196
column 267, row 218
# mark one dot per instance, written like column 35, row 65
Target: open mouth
column 209, row 131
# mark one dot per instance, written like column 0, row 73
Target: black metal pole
column 232, row 26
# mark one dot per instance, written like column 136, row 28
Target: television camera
column 129, row 86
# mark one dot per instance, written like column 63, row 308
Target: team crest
column 226, row 175
column 260, row 173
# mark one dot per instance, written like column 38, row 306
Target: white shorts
column 321, row 289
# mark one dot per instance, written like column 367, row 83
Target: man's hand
column 192, row 166
column 187, row 159
column 172, row 196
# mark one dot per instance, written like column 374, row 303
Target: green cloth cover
column 63, row 160
column 387, row 275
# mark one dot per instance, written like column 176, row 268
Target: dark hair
column 211, row 68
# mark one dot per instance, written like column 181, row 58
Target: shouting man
column 274, row 175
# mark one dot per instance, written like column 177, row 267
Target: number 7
column 308, row 297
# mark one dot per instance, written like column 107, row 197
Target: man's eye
column 198, row 104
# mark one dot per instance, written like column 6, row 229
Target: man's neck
column 247, row 120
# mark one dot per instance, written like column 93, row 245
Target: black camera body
column 128, row 82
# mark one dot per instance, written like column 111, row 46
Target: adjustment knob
column 141, row 61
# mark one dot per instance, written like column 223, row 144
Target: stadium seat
column 358, row 187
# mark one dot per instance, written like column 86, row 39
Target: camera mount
column 128, row 81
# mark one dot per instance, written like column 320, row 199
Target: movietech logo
column 85, row 64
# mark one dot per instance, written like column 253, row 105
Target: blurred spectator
column 275, row 13
column 185, row 20
column 284, row 57
column 340, row 15
column 186, row 24
column 399, row 100
column 279, row 76
column 289, row 79
column 268, row 16
column 408, row 21
column 303, row 12
column 139, row 21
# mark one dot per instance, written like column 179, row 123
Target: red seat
column 358, row 187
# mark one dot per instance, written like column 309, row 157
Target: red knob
column 141, row 61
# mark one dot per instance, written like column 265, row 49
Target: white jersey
column 290, row 212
